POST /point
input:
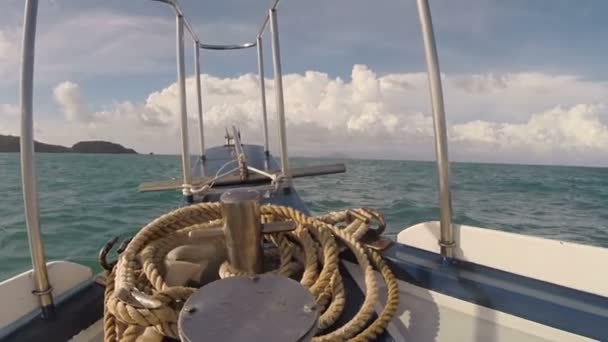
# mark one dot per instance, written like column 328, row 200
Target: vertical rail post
column 263, row 93
column 181, row 81
column 446, row 241
column 278, row 82
column 197, row 71
column 43, row 288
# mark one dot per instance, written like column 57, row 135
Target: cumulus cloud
column 67, row 95
column 525, row 116
column 577, row 128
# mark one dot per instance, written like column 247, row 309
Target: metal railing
column 271, row 18
column 28, row 167
column 446, row 241
column 181, row 82
column 28, row 163
column 262, row 92
column 278, row 84
column 199, row 100
column 226, row 47
column 182, row 22
column 261, row 76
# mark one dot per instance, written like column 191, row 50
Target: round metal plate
column 261, row 308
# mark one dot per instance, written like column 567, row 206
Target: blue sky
column 473, row 37
column 116, row 52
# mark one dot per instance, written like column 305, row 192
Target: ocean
column 87, row 199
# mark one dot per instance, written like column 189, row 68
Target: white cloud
column 67, row 94
column 577, row 128
column 369, row 115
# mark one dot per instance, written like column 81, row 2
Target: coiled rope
column 138, row 300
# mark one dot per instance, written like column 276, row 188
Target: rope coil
column 139, row 301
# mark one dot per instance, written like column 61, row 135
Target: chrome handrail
column 178, row 11
column 199, row 101
column 43, row 287
column 181, row 81
column 446, row 241
column 280, row 105
column 258, row 44
column 180, row 22
column 226, row 47
column 263, row 93
column 180, row 17
column 278, row 81
column 275, row 4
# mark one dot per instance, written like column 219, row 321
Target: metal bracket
column 373, row 237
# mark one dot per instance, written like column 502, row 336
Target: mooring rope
column 139, row 301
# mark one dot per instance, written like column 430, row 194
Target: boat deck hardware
column 228, row 180
column 243, row 229
column 264, row 307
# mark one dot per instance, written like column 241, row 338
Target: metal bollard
column 243, row 229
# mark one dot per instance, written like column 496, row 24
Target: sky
column 524, row 81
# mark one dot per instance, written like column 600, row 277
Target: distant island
column 9, row 143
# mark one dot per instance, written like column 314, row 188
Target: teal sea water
column 87, row 199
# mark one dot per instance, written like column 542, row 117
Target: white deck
column 16, row 292
column 564, row 263
column 425, row 315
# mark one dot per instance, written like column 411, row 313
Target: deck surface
column 548, row 304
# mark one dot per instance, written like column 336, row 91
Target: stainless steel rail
column 28, row 163
column 199, row 46
column 263, row 93
column 178, row 11
column 278, row 81
column 280, row 105
column 180, row 22
column 197, row 72
column 181, row 82
column 226, row 47
column 275, row 4
column 446, row 241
